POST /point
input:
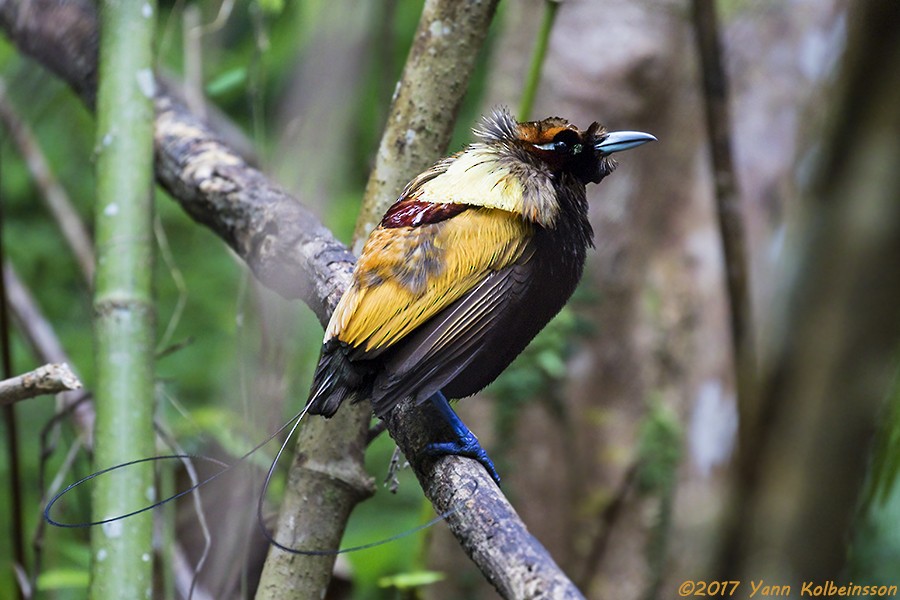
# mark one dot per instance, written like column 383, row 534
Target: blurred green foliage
column 875, row 544
column 660, row 442
column 538, row 374
column 659, row 450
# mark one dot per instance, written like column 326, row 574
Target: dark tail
column 337, row 378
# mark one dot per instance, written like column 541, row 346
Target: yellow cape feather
column 406, row 275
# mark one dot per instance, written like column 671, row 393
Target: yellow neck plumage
column 479, row 177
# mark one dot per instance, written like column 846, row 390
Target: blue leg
column 465, row 444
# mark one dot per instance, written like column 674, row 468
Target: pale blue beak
column 616, row 141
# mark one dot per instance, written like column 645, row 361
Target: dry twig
column 49, row 379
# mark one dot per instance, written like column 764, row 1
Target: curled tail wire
column 271, row 538
column 293, row 424
column 226, row 467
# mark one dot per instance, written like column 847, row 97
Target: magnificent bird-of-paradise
column 469, row 264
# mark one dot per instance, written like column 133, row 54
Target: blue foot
column 465, row 444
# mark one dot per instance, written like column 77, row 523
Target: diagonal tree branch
column 287, row 247
column 290, row 251
column 423, row 111
column 52, row 192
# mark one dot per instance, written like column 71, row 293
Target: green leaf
column 227, row 81
column 659, row 448
column 59, row 579
column 552, row 363
column 235, row 435
column 272, row 7
column 414, row 579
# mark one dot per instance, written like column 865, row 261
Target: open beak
column 616, row 141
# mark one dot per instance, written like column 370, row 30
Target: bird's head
column 522, row 167
column 560, row 145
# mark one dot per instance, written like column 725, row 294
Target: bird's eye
column 565, row 142
column 568, row 141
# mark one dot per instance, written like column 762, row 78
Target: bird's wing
column 423, row 296
column 407, row 275
column 433, row 355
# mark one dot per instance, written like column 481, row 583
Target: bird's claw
column 467, row 445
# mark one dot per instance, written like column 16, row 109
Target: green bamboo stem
column 533, row 80
column 123, row 300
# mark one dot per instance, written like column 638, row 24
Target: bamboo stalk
column 123, row 300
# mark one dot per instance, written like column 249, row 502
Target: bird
column 474, row 258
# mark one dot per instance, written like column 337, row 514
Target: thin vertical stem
column 529, row 91
column 730, row 217
column 9, row 419
column 123, row 300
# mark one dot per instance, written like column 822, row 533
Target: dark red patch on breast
column 413, row 213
